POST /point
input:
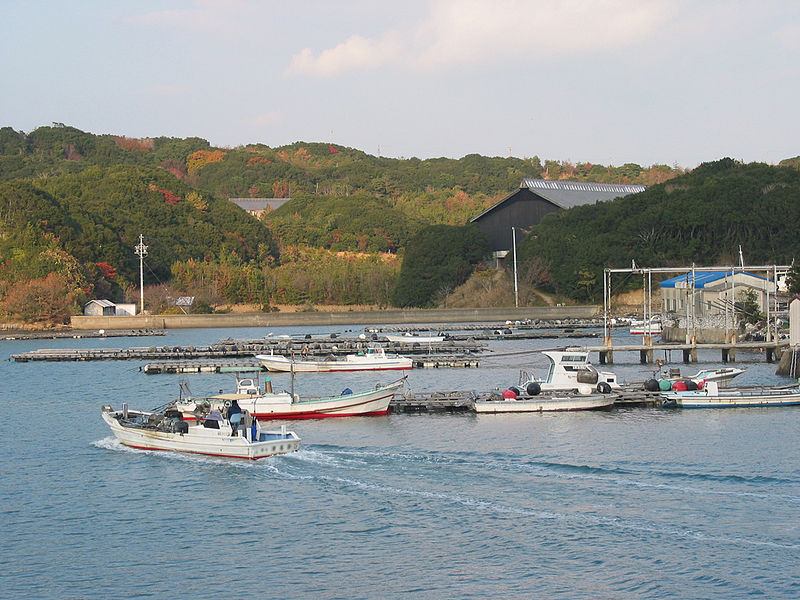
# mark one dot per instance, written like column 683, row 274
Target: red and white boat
column 651, row 327
column 266, row 405
column 374, row 359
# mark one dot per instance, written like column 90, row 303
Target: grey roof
column 567, row 194
column 259, row 203
column 103, row 303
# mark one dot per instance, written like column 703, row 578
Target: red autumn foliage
column 258, row 160
column 106, row 269
column 139, row 144
column 169, row 197
column 176, row 167
column 45, row 299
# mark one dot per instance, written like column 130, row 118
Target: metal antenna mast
column 141, row 252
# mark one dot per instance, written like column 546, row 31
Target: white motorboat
column 285, row 405
column 570, row 370
column 410, row 338
column 168, row 431
column 374, row 359
column 651, row 326
column 546, row 402
column 721, row 376
column 710, row 396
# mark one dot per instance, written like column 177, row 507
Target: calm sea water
column 635, row 503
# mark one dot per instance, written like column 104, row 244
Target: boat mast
column 141, row 252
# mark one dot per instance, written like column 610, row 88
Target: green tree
column 437, row 258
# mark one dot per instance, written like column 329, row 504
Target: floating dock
column 242, row 366
column 244, row 349
column 464, row 401
column 76, row 334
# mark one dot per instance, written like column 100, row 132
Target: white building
column 713, row 291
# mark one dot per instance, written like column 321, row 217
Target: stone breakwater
column 369, row 317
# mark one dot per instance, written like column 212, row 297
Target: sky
column 608, row 82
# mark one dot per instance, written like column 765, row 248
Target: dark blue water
column 635, row 503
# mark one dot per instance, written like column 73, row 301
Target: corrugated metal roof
column 582, row 186
column 702, row 278
column 567, row 194
column 103, row 303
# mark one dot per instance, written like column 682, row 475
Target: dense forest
column 72, row 205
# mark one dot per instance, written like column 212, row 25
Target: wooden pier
column 419, row 402
column 772, row 350
column 464, row 401
column 248, row 348
column 243, row 366
column 78, row 334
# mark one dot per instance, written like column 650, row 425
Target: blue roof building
column 712, row 291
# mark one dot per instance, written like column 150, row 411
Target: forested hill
column 701, row 217
column 84, row 226
column 257, row 170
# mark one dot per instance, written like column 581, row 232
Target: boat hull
column 202, row 441
column 281, row 364
column 410, row 339
column 732, row 400
column 282, row 406
column 545, row 404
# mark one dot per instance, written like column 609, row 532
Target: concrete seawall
column 369, row 317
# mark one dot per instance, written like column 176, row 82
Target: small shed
column 126, row 310
column 100, row 308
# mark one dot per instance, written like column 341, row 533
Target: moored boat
column 711, row 396
column 168, row 431
column 553, row 402
column 570, row 370
column 410, row 338
column 651, row 326
column 285, row 405
column 721, row 376
column 374, row 359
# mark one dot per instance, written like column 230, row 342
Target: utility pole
column 141, row 252
column 516, row 289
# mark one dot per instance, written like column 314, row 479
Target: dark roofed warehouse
column 536, row 198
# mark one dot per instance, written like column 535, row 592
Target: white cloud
column 457, row 32
column 355, row 53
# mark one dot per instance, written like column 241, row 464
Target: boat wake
column 491, row 505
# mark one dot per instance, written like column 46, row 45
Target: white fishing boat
column 651, row 326
column 168, row 431
column 546, row 402
column 286, row 405
column 721, row 376
column 570, row 370
column 410, row 338
column 374, row 358
column 710, row 396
